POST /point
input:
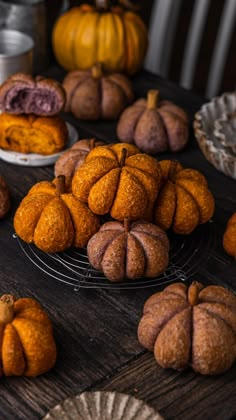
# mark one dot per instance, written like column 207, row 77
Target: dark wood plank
column 90, row 346
column 176, row 395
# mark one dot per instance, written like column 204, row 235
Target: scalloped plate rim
column 61, row 409
column 221, row 132
column 220, row 157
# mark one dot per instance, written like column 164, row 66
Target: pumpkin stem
column 102, row 4
column 152, row 99
column 92, row 143
column 123, row 157
column 60, row 185
column 126, row 225
column 7, row 309
column 193, row 292
column 96, row 71
column 173, row 169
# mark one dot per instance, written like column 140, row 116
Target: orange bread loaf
column 32, row 134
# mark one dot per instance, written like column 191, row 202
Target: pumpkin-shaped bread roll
column 54, row 220
column 28, row 347
column 119, row 180
column 93, row 94
column 184, row 200
column 193, row 326
column 129, row 250
column 154, row 126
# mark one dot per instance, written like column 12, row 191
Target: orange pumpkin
column 54, row 220
column 229, row 238
column 27, row 343
column 86, row 35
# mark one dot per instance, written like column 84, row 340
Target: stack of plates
column 215, row 131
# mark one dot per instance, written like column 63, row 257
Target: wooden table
column 95, row 329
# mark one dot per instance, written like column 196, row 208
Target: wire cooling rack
column 72, row 267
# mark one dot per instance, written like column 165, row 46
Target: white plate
column 34, row 159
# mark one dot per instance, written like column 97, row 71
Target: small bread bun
column 23, row 94
column 32, row 134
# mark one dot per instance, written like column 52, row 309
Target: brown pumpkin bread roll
column 129, row 250
column 23, row 94
column 72, row 158
column 93, row 94
column 193, row 326
column 154, row 126
column 32, row 134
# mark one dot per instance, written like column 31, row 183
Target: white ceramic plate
column 34, row 159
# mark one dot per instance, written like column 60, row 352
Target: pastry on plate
column 32, row 134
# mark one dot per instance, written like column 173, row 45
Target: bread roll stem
column 126, row 225
column 97, row 71
column 193, row 293
column 92, row 143
column 123, row 157
column 173, row 169
column 6, row 309
column 60, row 185
column 152, row 99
